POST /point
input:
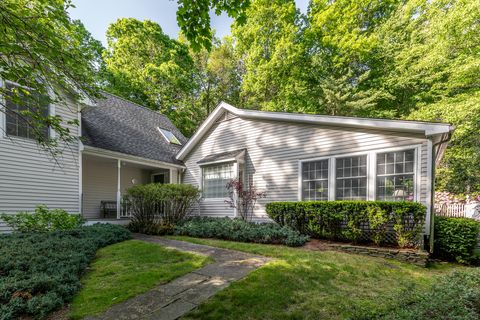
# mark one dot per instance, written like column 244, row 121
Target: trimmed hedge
column 40, row 272
column 456, row 239
column 240, row 230
column 353, row 220
column 454, row 296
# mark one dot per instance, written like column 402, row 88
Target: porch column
column 119, row 193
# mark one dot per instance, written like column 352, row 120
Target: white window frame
column 235, row 170
column 166, row 138
column 371, row 170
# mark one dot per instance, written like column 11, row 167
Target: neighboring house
column 290, row 156
column 311, row 157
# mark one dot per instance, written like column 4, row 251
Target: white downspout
column 119, row 193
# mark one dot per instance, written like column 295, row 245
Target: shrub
column 352, row 220
column 243, row 198
column 240, row 230
column 42, row 220
column 454, row 296
column 456, row 238
column 157, row 207
column 39, row 272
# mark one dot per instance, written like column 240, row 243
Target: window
column 162, row 177
column 351, row 178
column 169, row 136
column 395, row 175
column 17, row 122
column 215, row 179
column 315, row 180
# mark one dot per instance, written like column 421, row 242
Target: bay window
column 215, row 179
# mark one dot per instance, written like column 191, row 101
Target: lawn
column 126, row 269
column 303, row 284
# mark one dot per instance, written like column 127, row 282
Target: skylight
column 169, row 136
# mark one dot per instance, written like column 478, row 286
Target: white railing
column 455, row 210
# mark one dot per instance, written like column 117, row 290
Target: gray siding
column 275, row 148
column 29, row 176
column 100, row 182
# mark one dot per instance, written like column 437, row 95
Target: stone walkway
column 174, row 299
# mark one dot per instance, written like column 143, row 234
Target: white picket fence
column 455, row 210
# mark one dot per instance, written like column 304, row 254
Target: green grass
column 126, row 269
column 303, row 284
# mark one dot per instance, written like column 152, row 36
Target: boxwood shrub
column 353, row 220
column 240, row 230
column 456, row 239
column 39, row 272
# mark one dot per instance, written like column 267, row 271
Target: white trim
column 217, row 162
column 424, row 128
column 119, row 186
column 371, row 171
column 429, row 203
column 3, row 118
column 235, row 195
column 129, row 158
column 168, row 140
column 80, row 162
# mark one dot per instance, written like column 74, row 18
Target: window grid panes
column 395, row 175
column 351, row 178
column 17, row 122
column 215, row 179
column 315, row 180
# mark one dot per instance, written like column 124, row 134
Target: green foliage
column 456, row 239
column 343, row 220
column 193, row 17
column 156, row 208
column 39, row 272
column 240, row 230
column 42, row 220
column 52, row 57
column 454, row 296
column 139, row 267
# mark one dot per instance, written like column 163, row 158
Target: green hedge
column 456, row 239
column 353, row 220
column 240, row 230
column 40, row 272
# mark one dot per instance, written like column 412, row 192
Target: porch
column 107, row 177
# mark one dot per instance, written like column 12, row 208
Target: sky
column 96, row 15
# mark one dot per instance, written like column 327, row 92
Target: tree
column 269, row 45
column 147, row 67
column 50, row 57
column 193, row 17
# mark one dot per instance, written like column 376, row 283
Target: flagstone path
column 172, row 300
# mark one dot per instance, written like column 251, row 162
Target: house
column 312, row 157
column 290, row 156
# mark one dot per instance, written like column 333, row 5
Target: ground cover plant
column 456, row 239
column 240, row 230
column 125, row 269
column 40, row 272
column 304, row 284
column 354, row 221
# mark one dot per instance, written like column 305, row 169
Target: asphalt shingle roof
column 119, row 125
